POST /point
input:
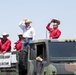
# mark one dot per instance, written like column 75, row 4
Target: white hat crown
column 5, row 34
column 20, row 34
column 26, row 20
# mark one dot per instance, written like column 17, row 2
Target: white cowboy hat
column 55, row 20
column 25, row 19
column 20, row 34
column 28, row 21
column 5, row 34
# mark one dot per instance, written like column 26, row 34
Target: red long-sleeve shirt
column 54, row 33
column 18, row 45
column 5, row 45
column 0, row 45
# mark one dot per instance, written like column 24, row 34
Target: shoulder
column 32, row 28
column 58, row 30
column 8, row 40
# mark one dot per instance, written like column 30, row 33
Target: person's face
column 55, row 25
column 27, row 24
column 20, row 36
column 4, row 37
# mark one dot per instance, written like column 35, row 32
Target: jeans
column 25, row 43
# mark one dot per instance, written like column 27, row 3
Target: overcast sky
column 40, row 12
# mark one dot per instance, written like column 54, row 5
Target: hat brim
column 25, row 19
column 6, row 35
column 28, row 22
column 20, row 35
column 56, row 21
column 1, row 38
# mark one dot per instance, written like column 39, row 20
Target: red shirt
column 18, row 45
column 0, row 45
column 54, row 33
column 5, row 45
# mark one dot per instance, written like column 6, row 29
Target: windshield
column 62, row 50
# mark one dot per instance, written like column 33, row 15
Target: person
column 28, row 35
column 5, row 43
column 18, row 44
column 54, row 32
column 28, row 31
column 1, row 38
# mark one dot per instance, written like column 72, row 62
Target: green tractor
column 44, row 57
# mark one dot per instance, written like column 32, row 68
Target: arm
column 57, row 36
column 33, row 33
column 48, row 27
column 8, row 45
column 21, row 25
column 15, row 47
column 18, row 46
column 0, row 46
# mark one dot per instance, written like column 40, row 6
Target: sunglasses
column 54, row 25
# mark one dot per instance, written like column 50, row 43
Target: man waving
column 28, row 31
column 54, row 32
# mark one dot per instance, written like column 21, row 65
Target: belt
column 27, row 38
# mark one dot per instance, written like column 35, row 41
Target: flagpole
column 46, row 34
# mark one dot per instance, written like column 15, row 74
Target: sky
column 40, row 12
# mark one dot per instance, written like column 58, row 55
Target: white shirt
column 28, row 32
